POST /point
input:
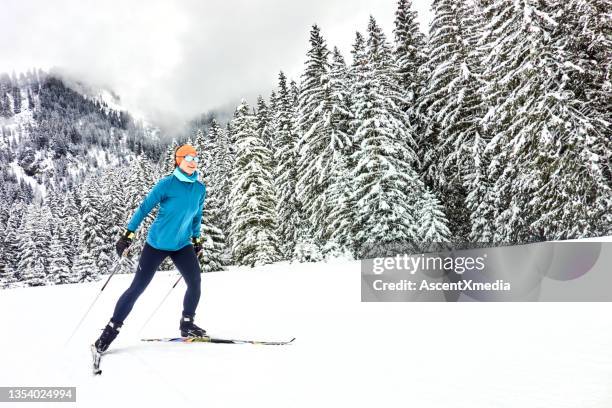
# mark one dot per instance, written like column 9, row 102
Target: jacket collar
column 181, row 175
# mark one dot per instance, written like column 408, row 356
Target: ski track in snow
column 347, row 353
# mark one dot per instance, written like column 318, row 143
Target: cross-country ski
column 219, row 340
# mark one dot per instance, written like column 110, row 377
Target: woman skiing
column 175, row 233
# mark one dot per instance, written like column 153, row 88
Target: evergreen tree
column 285, row 157
column 32, row 239
column 341, row 216
column 170, row 159
column 586, row 28
column 16, row 94
column 84, row 267
column 116, row 207
column 10, row 243
column 214, row 247
column 71, row 229
column 221, row 163
column 253, row 199
column 263, row 122
column 59, row 267
column 59, row 263
column 432, row 220
column 200, row 144
column 341, row 223
column 341, row 114
column 272, row 111
column 108, row 184
column 294, row 92
column 36, row 276
column 454, row 141
column 5, row 103
column 547, row 168
column 92, row 227
column 141, row 178
column 31, row 101
column 357, row 72
column 387, row 189
column 4, row 218
column 410, row 51
column 320, row 142
column 217, row 170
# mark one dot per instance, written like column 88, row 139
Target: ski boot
column 189, row 329
column 108, row 335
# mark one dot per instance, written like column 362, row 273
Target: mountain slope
column 53, row 131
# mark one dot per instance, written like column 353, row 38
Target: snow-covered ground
column 347, row 353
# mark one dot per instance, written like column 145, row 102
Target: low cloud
column 171, row 60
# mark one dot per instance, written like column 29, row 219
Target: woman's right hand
column 124, row 241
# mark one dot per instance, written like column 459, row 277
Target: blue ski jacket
column 181, row 202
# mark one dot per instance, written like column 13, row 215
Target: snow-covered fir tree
column 170, row 158
column 356, row 73
column 141, row 177
column 93, row 225
column 432, row 222
column 453, row 141
column 4, row 219
column 294, row 92
column 84, row 266
column 71, row 225
column 115, row 187
column 341, row 114
column 387, row 190
column 586, row 28
column 285, row 157
column 11, row 250
column 59, row 266
column 263, row 121
column 216, row 168
column 107, row 186
column 409, row 52
column 212, row 258
column 547, row 171
column 253, row 199
column 341, row 224
column 319, row 142
column 37, row 274
column 340, row 219
column 33, row 239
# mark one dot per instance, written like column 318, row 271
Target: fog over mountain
column 173, row 60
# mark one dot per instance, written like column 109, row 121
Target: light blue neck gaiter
column 179, row 174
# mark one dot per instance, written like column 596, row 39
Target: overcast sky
column 170, row 60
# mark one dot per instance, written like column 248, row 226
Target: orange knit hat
column 183, row 151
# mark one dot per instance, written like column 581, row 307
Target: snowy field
column 347, row 353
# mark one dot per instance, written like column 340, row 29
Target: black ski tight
column 186, row 262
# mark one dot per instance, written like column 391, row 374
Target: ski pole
column 123, row 256
column 160, row 304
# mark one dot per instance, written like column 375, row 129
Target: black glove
column 124, row 241
column 197, row 244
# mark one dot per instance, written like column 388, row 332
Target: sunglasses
column 189, row 158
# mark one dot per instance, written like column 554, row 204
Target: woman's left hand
column 197, row 244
